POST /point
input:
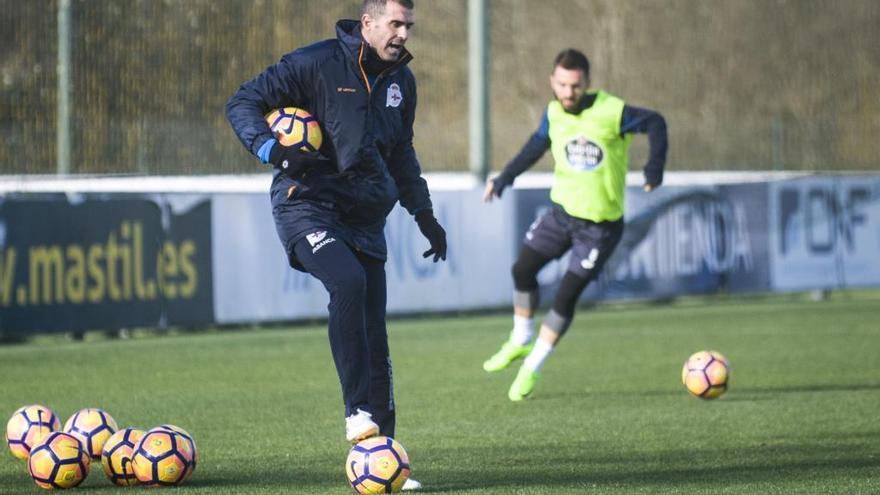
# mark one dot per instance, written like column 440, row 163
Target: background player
column 589, row 135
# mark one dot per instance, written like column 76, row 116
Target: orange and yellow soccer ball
column 377, row 465
column 706, row 374
column 92, row 427
column 58, row 462
column 116, row 456
column 295, row 127
column 28, row 426
column 162, row 458
column 192, row 444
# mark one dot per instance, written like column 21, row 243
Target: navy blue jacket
column 367, row 129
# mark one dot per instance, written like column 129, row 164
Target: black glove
column 434, row 233
column 653, row 175
column 294, row 162
column 501, row 182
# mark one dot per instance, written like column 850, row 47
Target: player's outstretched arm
column 531, row 152
column 652, row 123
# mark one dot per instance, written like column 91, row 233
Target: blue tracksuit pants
column 356, row 327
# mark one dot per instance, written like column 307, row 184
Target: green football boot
column 508, row 353
column 523, row 385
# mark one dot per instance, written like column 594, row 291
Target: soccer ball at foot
column 377, row 465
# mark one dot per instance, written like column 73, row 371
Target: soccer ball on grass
column 162, row 458
column 28, row 426
column 192, row 445
column 116, row 456
column 58, row 462
column 92, row 427
column 705, row 374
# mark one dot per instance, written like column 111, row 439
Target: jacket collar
column 348, row 32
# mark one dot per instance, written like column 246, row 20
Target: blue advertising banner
column 108, row 260
column 825, row 232
column 677, row 240
column 87, row 262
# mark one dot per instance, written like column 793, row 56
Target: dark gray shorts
column 591, row 243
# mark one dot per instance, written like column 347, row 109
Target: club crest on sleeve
column 394, row 96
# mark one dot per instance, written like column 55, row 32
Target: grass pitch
column 609, row 415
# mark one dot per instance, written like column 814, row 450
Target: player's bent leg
column 553, row 328
column 525, row 301
column 525, row 270
column 555, row 325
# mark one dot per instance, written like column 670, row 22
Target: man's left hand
column 434, row 233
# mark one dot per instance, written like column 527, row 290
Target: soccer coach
column 330, row 206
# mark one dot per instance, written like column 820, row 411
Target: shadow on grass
column 545, row 467
column 508, row 469
column 273, row 476
column 544, row 395
column 829, row 387
column 738, row 393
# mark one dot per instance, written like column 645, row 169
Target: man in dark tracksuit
column 330, row 206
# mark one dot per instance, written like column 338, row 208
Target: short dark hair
column 377, row 7
column 572, row 59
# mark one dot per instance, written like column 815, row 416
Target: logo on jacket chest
column 394, row 96
column 583, row 154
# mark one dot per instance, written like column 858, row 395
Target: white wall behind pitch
column 253, row 282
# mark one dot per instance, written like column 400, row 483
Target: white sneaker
column 411, row 484
column 359, row 426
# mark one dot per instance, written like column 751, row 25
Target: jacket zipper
column 381, row 74
column 361, row 67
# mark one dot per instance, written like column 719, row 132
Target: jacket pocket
column 374, row 197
